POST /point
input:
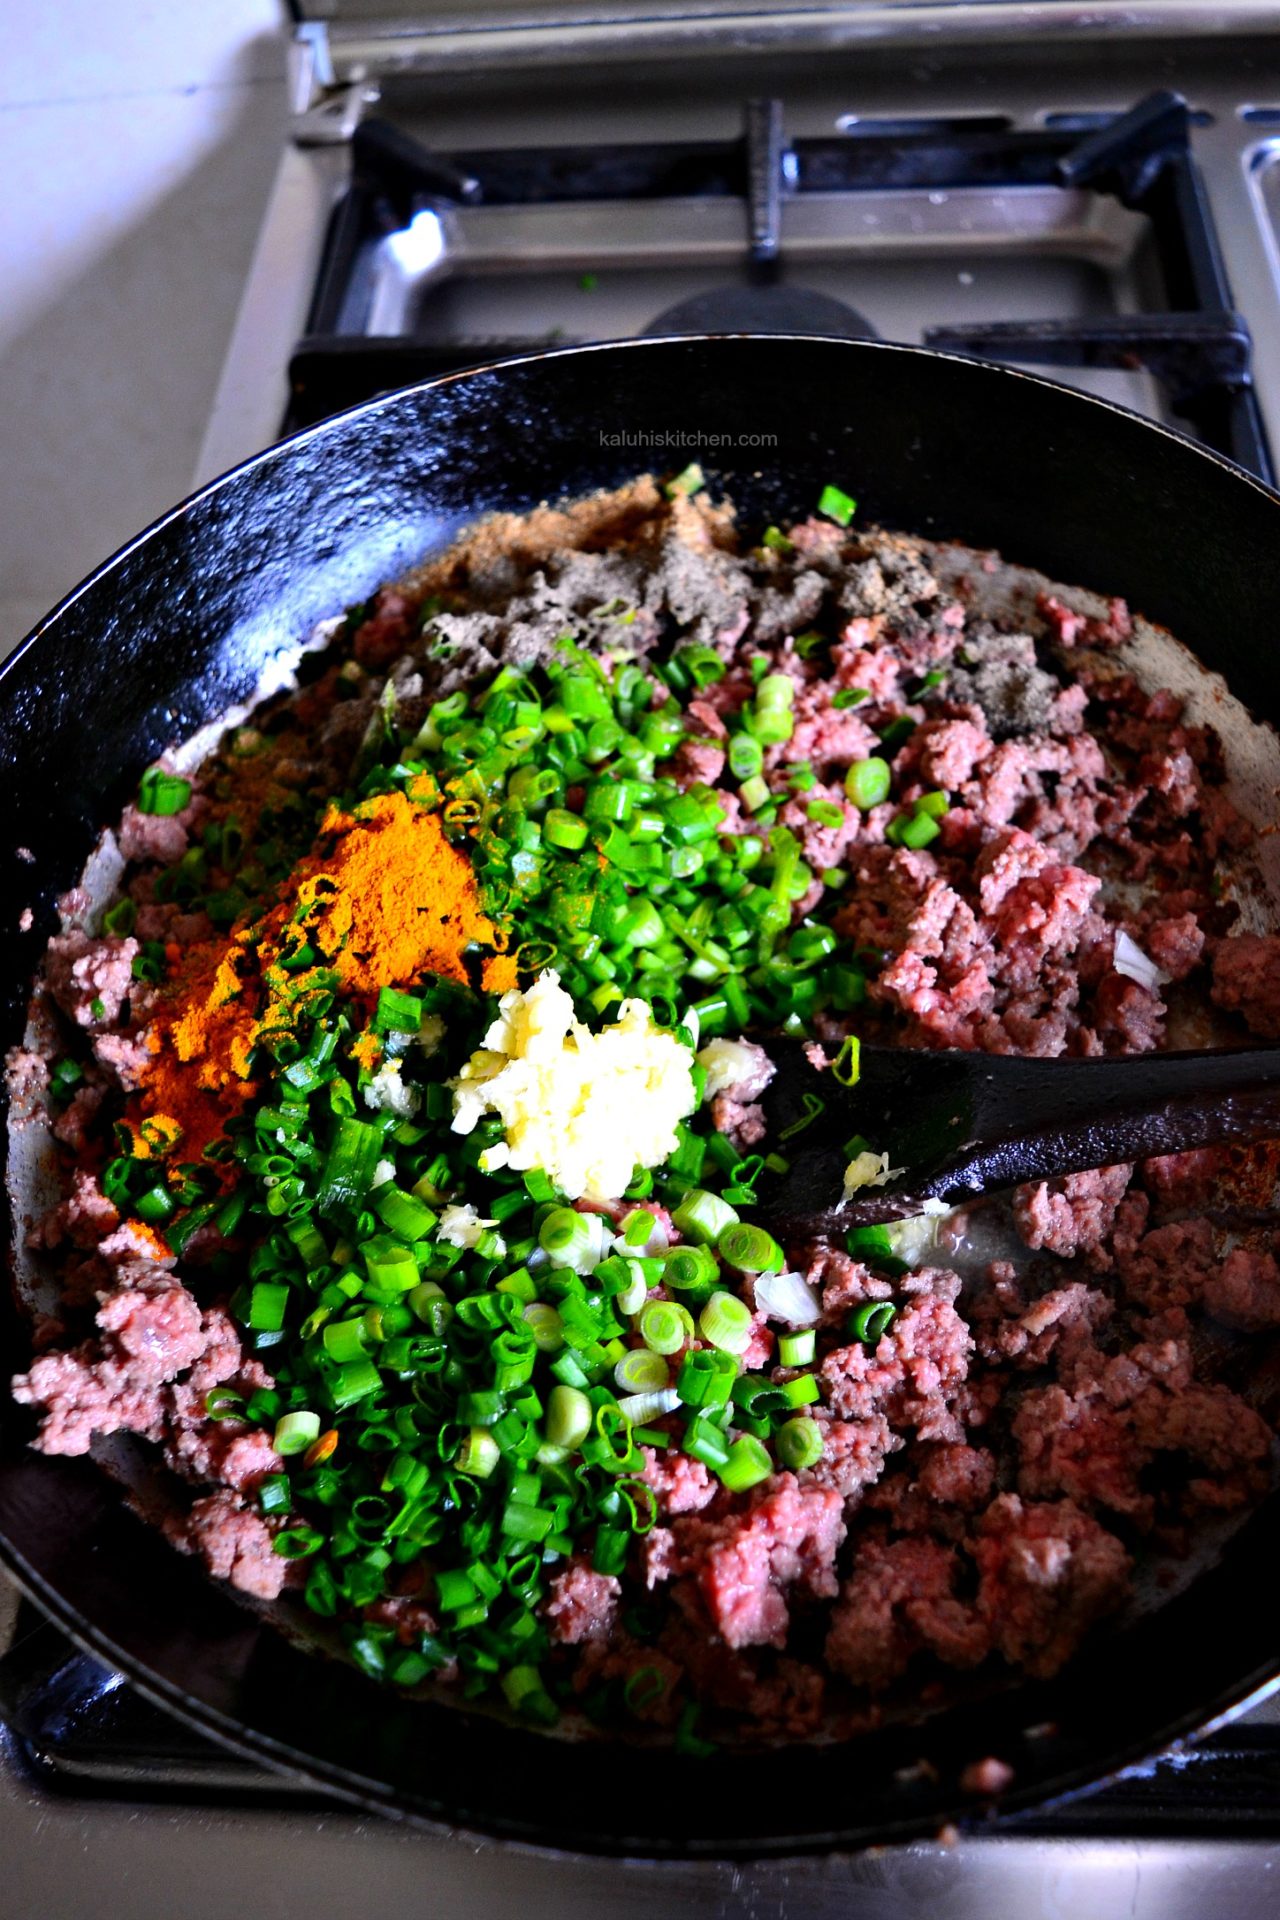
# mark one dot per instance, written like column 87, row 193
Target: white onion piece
column 1130, row 960
column 640, row 1408
column 789, row 1297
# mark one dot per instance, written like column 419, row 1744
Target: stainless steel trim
column 467, row 42
column 252, row 393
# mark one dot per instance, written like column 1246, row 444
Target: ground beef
column 1185, row 1179
column 1244, row 1292
column 1213, row 1429
column 853, row 1456
column 682, row 1484
column 1079, row 805
column 989, row 1777
column 217, row 1451
column 1169, row 1266
column 151, row 1332
column 125, row 1055
column 235, row 1545
column 696, row 762
column 81, row 1395
column 1083, row 1448
column 1065, row 1317
column 1176, row 944
column 1072, row 1215
column 911, row 1375
column 734, row 1108
column 841, row 1281
column 899, row 1600
column 88, row 978
column 162, row 838
column 1246, row 980
column 583, row 1605
column 75, row 1125
column 947, row 751
column 1127, row 1018
column 84, row 1217
column 1046, row 1573
column 748, row 1564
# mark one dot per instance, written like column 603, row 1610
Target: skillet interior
column 182, row 624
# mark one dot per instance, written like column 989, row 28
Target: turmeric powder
column 383, row 900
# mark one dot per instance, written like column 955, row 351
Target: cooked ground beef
column 994, row 1465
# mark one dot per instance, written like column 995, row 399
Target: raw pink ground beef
column 994, row 1466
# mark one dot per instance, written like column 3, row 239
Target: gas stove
column 1091, row 192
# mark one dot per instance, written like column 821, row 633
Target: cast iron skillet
column 178, row 626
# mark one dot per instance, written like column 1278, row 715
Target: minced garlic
column 587, row 1108
column 868, row 1169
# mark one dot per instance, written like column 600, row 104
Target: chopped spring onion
column 706, row 1378
column 726, row 1322
column 642, row 1407
column 665, row 1327
column 799, row 1442
column 847, row 1064
column 162, row 793
column 567, row 1237
column 546, row 1325
column 916, row 832
column 295, row 1432
column 867, row 782
column 748, row 1463
column 569, row 1416
column 688, row 481
column 1130, row 960
column 836, row 505
column 703, row 1216
column 749, row 1249
column 797, row 1349
column 267, row 1304
column 479, row 1454
column 872, row 1320
column 814, row 1106
column 641, row 1371
column 690, row 1271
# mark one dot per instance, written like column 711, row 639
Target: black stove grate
column 1198, row 350
column 78, row 1729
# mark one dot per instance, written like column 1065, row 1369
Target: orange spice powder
column 384, row 900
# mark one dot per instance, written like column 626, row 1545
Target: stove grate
column 1198, row 351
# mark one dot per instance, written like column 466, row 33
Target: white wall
column 138, row 141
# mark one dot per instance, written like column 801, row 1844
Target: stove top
column 1092, row 192
column 439, row 259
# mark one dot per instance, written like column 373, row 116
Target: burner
column 772, row 309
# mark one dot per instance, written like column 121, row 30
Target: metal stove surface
column 910, row 261
column 140, row 1818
